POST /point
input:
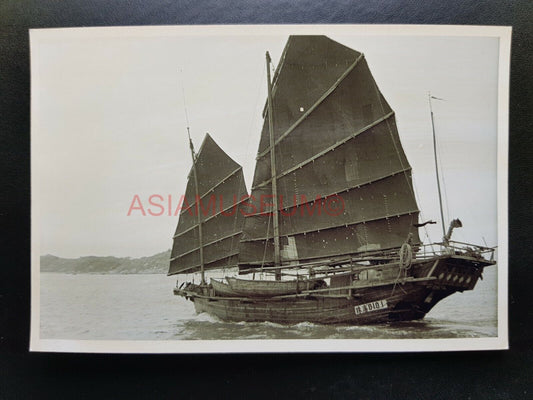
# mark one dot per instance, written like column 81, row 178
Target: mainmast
column 197, row 199
column 436, row 164
column 277, row 262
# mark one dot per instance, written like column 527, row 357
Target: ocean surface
column 143, row 307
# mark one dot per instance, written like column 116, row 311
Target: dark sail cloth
column 344, row 183
column 221, row 189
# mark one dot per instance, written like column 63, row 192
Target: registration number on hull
column 368, row 307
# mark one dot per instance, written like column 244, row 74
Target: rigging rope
column 242, row 181
column 236, row 217
column 259, row 92
column 397, row 280
column 421, row 215
column 266, row 243
column 409, row 182
column 378, row 94
column 180, row 83
column 440, row 150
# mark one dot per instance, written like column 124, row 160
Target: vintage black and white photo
column 269, row 188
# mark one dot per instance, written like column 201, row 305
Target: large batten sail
column 221, row 192
column 335, row 140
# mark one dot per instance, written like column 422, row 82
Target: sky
column 110, row 110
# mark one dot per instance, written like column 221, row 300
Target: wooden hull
column 292, row 311
column 406, row 299
column 264, row 288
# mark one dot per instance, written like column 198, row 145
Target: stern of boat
column 456, row 268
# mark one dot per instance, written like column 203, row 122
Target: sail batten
column 212, row 189
column 309, row 200
column 323, row 152
column 216, row 241
column 312, row 108
column 205, row 245
column 347, row 224
column 334, row 135
column 229, row 260
column 223, row 211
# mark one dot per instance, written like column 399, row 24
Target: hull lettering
column 368, row 307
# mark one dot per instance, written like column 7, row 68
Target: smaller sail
column 221, row 193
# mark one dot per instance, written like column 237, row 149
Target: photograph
column 269, row 188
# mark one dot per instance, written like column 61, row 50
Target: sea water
column 143, row 307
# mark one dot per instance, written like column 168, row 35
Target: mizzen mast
column 275, row 214
column 436, row 164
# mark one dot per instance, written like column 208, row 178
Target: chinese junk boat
column 329, row 233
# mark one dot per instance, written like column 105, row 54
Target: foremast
column 197, row 207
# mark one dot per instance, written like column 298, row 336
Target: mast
column 273, row 171
column 359, row 165
column 201, row 245
column 436, row 165
column 221, row 178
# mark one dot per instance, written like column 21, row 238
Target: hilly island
column 156, row 264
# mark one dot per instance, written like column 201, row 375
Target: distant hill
column 156, row 264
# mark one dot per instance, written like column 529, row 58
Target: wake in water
column 207, row 327
column 110, row 307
